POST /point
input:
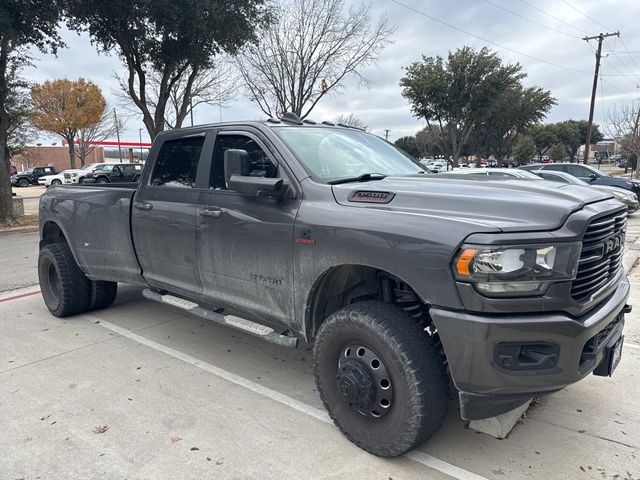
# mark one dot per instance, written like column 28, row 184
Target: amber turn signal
column 463, row 264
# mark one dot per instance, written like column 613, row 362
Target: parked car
column 588, row 174
column 329, row 235
column 496, row 172
column 77, row 176
column 57, row 179
column 31, row 176
column 118, row 173
column 630, row 199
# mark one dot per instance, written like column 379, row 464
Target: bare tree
column 307, row 52
column 351, row 120
column 89, row 138
column 624, row 125
column 215, row 86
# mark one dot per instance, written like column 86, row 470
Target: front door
column 245, row 242
column 163, row 218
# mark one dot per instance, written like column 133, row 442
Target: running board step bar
column 261, row 331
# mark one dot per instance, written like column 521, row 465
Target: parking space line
column 21, row 295
column 420, row 457
column 632, row 345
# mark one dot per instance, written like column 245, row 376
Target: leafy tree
column 351, row 120
column 466, row 92
column 164, row 43
column 557, row 152
column 573, row 134
column 18, row 105
column 64, row 107
column 543, row 136
column 307, row 52
column 22, row 25
column 429, row 142
column 408, row 144
column 515, row 110
column 523, row 150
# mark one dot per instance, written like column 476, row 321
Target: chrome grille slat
column 596, row 268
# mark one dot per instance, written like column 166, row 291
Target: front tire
column 23, row 182
column 65, row 288
column 388, row 413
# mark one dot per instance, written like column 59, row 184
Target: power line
column 487, row 40
column 554, row 17
column 516, row 14
column 627, row 50
column 585, row 15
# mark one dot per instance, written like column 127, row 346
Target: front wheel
column 23, row 182
column 380, row 377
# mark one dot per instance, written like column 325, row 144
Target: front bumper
column 490, row 382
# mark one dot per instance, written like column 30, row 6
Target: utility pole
column 600, row 38
column 140, row 134
column 191, row 109
column 115, row 116
column 386, row 134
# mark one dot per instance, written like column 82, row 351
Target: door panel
column 163, row 218
column 245, row 252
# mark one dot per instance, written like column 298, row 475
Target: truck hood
column 502, row 203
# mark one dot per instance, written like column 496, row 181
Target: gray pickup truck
column 405, row 284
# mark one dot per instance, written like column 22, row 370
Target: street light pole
column 140, row 133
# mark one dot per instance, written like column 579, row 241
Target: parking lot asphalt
column 141, row 391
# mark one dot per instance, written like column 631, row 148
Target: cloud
column 381, row 105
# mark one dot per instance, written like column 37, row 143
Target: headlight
column 523, row 270
column 74, row 174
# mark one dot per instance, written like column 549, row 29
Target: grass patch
column 20, row 222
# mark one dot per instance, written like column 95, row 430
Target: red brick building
column 58, row 156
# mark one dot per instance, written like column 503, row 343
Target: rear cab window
column 177, row 162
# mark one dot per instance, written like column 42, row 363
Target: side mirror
column 258, row 186
column 593, row 176
column 236, row 162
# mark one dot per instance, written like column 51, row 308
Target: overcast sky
column 528, row 33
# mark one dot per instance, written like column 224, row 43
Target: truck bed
column 96, row 220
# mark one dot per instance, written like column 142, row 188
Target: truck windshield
column 331, row 154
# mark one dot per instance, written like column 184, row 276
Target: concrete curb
column 17, row 230
column 500, row 426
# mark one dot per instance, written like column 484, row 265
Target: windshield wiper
column 365, row 177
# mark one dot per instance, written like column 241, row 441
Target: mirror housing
column 258, row 186
column 236, row 162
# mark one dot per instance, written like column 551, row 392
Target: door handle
column 214, row 212
column 143, row 205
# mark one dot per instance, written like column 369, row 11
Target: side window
column 260, row 163
column 577, row 171
column 177, row 162
column 555, row 167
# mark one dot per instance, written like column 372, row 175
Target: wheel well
column 347, row 284
column 52, row 233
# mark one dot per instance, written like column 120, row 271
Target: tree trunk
column 6, row 193
column 72, row 152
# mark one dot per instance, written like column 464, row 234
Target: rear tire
column 103, row 294
column 56, row 182
column 65, row 288
column 102, row 180
column 393, row 414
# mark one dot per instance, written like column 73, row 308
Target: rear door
column 245, row 242
column 164, row 215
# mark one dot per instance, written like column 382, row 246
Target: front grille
column 67, row 175
column 601, row 257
